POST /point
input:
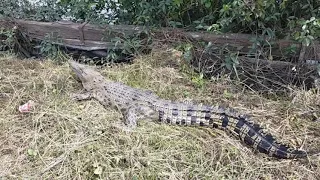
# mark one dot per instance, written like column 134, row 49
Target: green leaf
column 177, row 2
column 226, row 94
column 31, row 152
column 207, row 4
column 306, row 41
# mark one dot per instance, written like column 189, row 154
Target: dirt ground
column 64, row 139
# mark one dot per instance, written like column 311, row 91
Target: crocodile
column 135, row 104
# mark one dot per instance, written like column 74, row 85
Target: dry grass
column 63, row 139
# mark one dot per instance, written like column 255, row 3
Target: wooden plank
column 70, row 30
column 100, row 36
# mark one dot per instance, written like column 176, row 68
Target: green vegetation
column 274, row 18
column 8, row 42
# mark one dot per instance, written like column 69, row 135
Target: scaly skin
column 136, row 103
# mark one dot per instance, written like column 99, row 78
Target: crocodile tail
column 253, row 135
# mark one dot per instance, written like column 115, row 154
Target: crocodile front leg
column 131, row 117
column 81, row 96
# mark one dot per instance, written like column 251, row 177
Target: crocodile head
column 87, row 75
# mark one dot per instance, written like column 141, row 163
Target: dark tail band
column 253, row 135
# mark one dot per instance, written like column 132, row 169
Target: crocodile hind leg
column 133, row 114
column 131, row 117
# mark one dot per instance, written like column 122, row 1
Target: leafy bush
column 179, row 13
column 82, row 10
column 284, row 18
column 47, row 10
column 275, row 18
column 7, row 39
